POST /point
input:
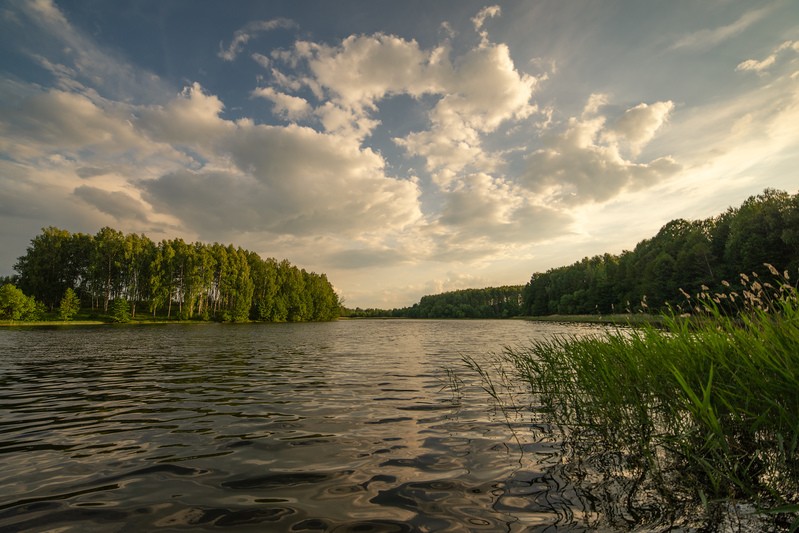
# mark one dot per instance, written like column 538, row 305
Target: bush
column 120, row 310
column 14, row 305
column 70, row 305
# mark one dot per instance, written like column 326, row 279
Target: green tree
column 120, row 310
column 70, row 305
column 757, row 233
column 108, row 263
column 44, row 270
column 15, row 305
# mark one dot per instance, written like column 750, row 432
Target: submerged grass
column 701, row 411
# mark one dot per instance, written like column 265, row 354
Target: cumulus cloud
column 285, row 105
column 638, row 125
column 584, row 162
column 242, row 36
column 191, row 118
column 291, row 180
column 483, row 206
column 480, row 90
column 475, row 92
column 365, row 68
column 36, row 123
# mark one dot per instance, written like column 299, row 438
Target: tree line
column 490, row 302
column 170, row 278
column 690, row 256
column 683, row 256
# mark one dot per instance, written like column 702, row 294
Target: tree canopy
column 683, row 255
column 171, row 277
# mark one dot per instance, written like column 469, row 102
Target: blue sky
column 403, row 148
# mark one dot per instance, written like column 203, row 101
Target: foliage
column 120, row 310
column 490, row 302
column 172, row 277
column 69, row 306
column 15, row 305
column 704, row 410
column 683, row 255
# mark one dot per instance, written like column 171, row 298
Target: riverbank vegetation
column 121, row 277
column 697, row 417
column 683, row 255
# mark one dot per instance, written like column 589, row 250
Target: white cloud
column 638, row 125
column 481, row 90
column 36, row 124
column 285, row 105
column 480, row 18
column 291, row 180
column 482, row 206
column 584, row 164
column 242, row 36
column 707, row 38
column 759, row 66
column 364, row 69
column 191, row 118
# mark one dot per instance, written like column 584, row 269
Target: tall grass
column 704, row 409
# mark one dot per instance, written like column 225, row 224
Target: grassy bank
column 696, row 414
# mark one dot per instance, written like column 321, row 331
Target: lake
column 354, row 425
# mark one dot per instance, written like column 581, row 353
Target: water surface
column 341, row 426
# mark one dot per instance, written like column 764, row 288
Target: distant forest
column 683, row 255
column 171, row 278
column 492, row 302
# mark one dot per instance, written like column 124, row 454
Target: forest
column 171, row 279
column 490, row 302
column 684, row 257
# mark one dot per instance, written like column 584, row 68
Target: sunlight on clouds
column 192, row 117
column 584, row 163
column 638, row 125
column 480, row 18
column 760, row 66
column 287, row 106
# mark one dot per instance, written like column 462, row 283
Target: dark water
column 342, row 426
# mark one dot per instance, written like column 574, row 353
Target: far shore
column 617, row 319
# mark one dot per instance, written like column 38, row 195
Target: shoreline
column 616, row 319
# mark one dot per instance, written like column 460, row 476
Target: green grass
column 701, row 409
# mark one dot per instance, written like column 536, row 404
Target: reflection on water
column 343, row 426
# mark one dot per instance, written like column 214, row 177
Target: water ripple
column 344, row 426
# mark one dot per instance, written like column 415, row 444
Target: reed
column 703, row 409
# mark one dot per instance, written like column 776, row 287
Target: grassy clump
column 703, row 410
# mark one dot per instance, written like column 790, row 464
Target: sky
column 401, row 148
